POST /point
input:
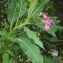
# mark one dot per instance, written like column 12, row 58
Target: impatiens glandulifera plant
column 18, row 42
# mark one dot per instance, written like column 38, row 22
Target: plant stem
column 16, row 27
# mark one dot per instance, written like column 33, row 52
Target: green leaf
column 0, row 45
column 47, row 59
column 56, row 60
column 12, row 60
column 2, row 50
column 39, row 7
column 30, row 49
column 31, row 8
column 16, row 10
column 33, row 36
column 5, row 58
column 52, row 30
column 13, row 48
column 27, row 62
column 3, row 32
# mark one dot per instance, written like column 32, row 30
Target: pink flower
column 47, row 27
column 49, row 22
column 45, row 16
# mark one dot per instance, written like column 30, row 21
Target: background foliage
column 23, row 38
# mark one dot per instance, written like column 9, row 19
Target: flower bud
column 45, row 16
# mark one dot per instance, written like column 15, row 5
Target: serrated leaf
column 39, row 7
column 31, row 50
column 31, row 8
column 33, row 36
column 15, row 10
column 5, row 58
